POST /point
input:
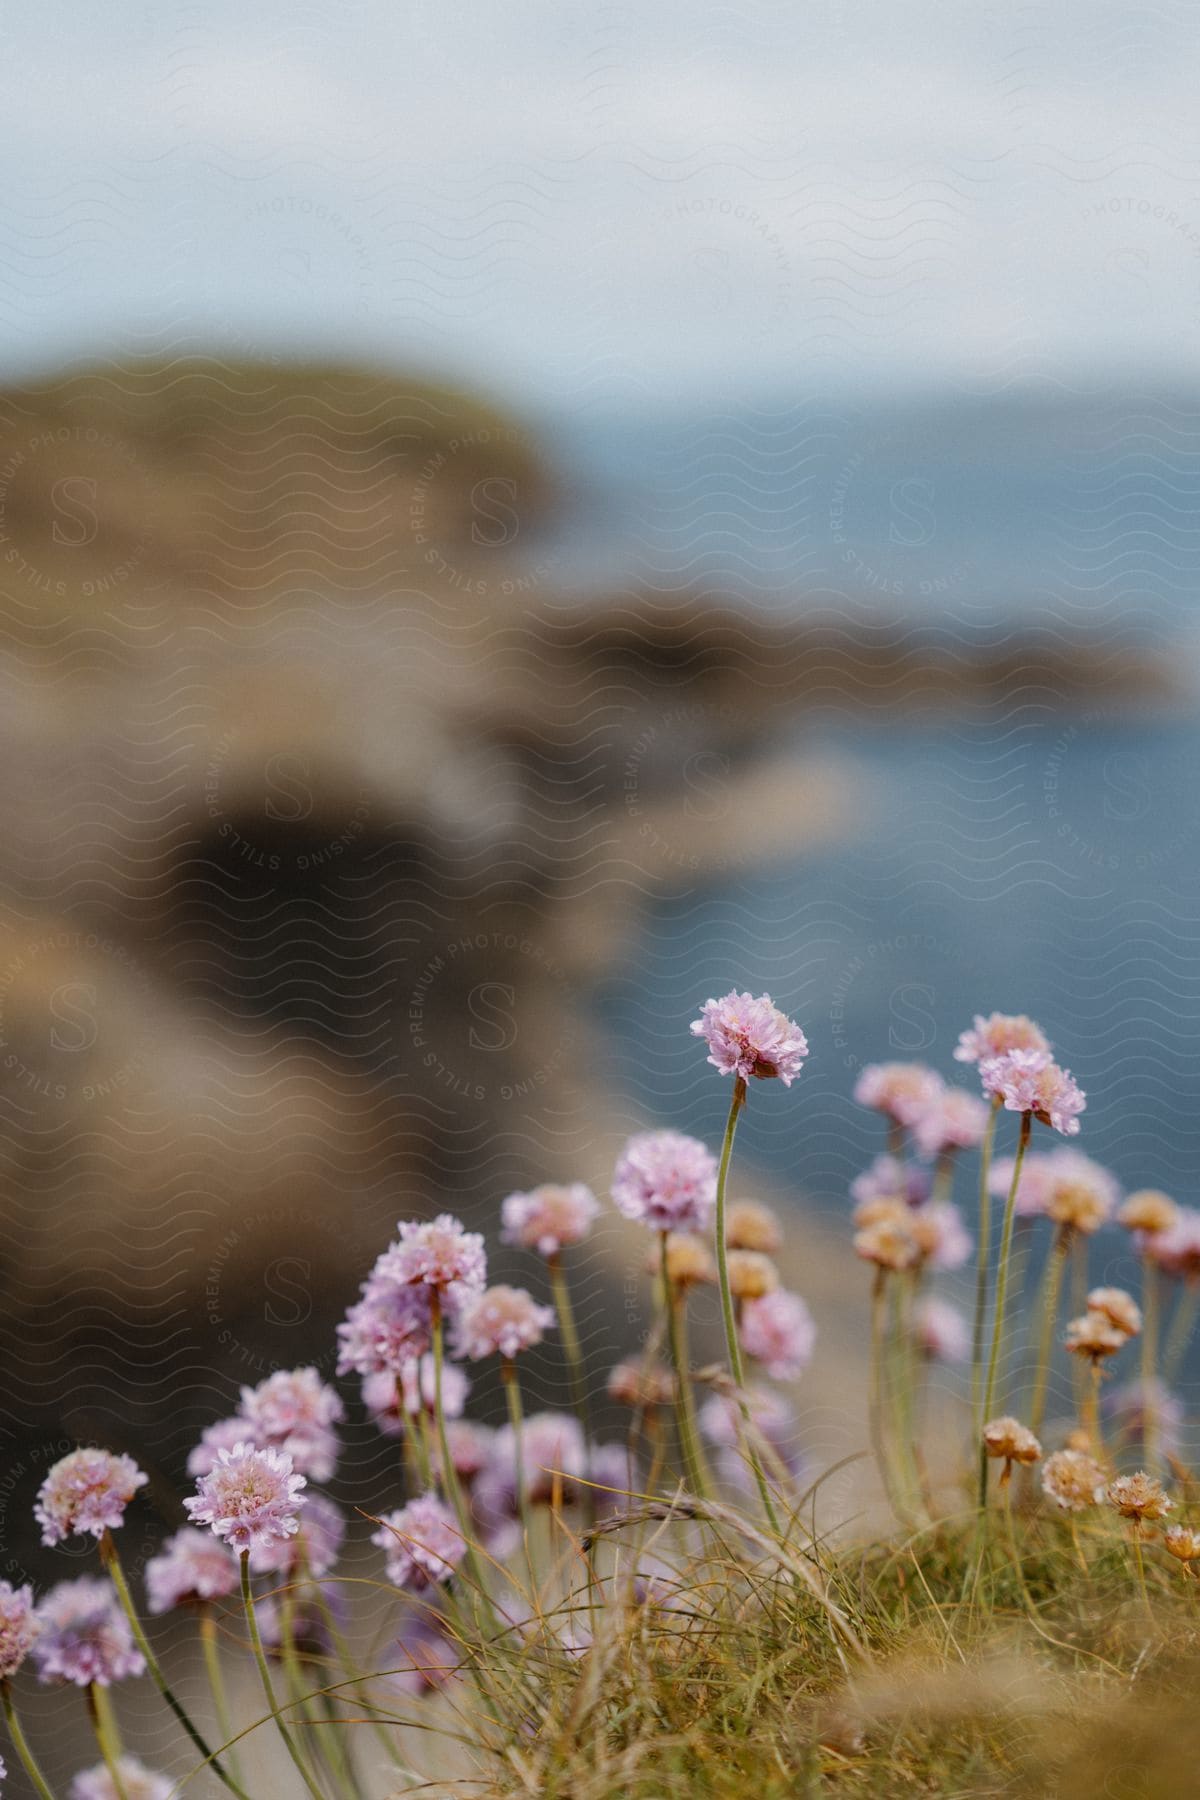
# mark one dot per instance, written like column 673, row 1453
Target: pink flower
column 426, row 1658
column 1177, row 1250
column 423, row 1543
column 1062, row 1185
column 890, row 1179
column 942, row 1333
column 778, row 1332
column 192, row 1565
column 549, row 1218
column 997, row 1035
column 941, row 1236
column 436, row 1253
column 1028, row 1082
column 667, row 1181
column 86, row 1491
column 386, row 1329
column 137, row 1782
column 83, row 1636
column 314, row 1547
column 502, row 1321
column 955, row 1120
column 18, row 1627
column 901, row 1091
column 770, row 1413
column 295, row 1411
column 394, row 1400
column 470, row 1447
column 215, row 1438
column 1033, row 1190
column 251, row 1498
column 552, row 1448
column 751, row 1038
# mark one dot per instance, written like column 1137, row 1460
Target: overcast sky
column 620, row 203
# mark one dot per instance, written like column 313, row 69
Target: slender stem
column 981, row 1268
column 21, row 1745
column 264, row 1674
column 1150, row 1362
column 1010, row 1213
column 1140, row 1565
column 451, row 1486
column 516, row 1419
column 576, row 1373
column 685, row 1415
column 1091, row 1409
column 905, row 1286
column 110, row 1750
column 210, row 1645
column 1182, row 1323
column 728, row 1316
column 878, row 1342
column 112, row 1564
column 1051, row 1289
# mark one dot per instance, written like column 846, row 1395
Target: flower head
column 1094, row 1335
column 942, row 1238
column 1134, row 1403
column 312, row 1549
column 83, row 1636
column 1148, row 1211
column 1118, row 1307
column 641, row 1384
column 997, row 1035
column 293, row 1410
column 86, row 1491
column 222, row 1435
column 888, row 1243
column 549, row 1218
column 901, row 1091
column 1182, row 1542
column 1073, row 1480
column 749, row 1225
column 435, row 1253
column 1080, row 1193
column 1008, row 1438
column 192, row 1565
column 751, row 1275
column 502, row 1321
column 251, row 1498
column 1176, row 1251
column 385, row 1330
column 423, row 1542
column 137, row 1782
column 1139, row 1497
column 18, row 1627
column 942, row 1333
column 394, row 1400
column 751, row 1038
column 953, row 1120
column 1027, row 1081
column 888, row 1178
column 470, row 1447
column 666, row 1180
column 778, row 1332
column 425, row 1659
column 689, row 1260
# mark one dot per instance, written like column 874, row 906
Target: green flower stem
column 1051, row 1289
column 875, row 1400
column 112, row 1565
column 264, row 1674
column 728, row 1316
column 21, row 1745
column 685, row 1411
column 1150, row 1362
column 576, row 1373
column 1006, row 1233
column 210, row 1645
column 103, row 1728
column 981, row 1269
column 1183, row 1323
column 516, row 1419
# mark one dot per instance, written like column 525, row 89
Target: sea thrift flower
column 394, row 1401
column 1148, row 1212
column 425, row 1658
column 1027, row 1081
column 223, row 1435
column 423, row 1543
column 191, row 1566
column 314, row 1605
column 137, row 1782
column 1182, row 1542
column 1177, row 1249
column 388, row 1328
column 901, row 1091
column 251, row 1498
column 641, row 1385
column 86, row 1492
column 954, row 1120
column 749, row 1225
column 549, row 1218
column 1128, row 1406
column 689, row 1260
column 942, row 1332
column 1073, row 1480
column 470, row 1447
column 751, row 1275
column 554, row 1457
column 1095, row 1336
column 502, row 1321
column 751, row 1038
column 294, row 1411
column 1008, row 1438
column 1120, row 1308
column 778, row 1332
column 18, row 1627
column 888, row 1178
column 83, row 1636
column 997, row 1035
column 312, row 1549
column 943, row 1240
column 770, row 1413
column 884, row 1208
column 1139, row 1497
column 666, row 1180
column 888, row 1244
column 1034, row 1187
column 1081, row 1194
column 436, row 1253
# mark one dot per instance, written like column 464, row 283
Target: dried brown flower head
column 751, row 1275
column 1008, row 1438
column 689, row 1260
column 1080, row 1203
column 888, row 1244
column 1183, row 1543
column 1094, row 1334
column 1139, row 1497
column 1073, row 1480
column 749, row 1225
column 641, row 1384
column 1148, row 1210
column 1118, row 1307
